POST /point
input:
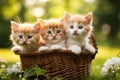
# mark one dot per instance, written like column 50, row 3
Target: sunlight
column 37, row 12
column 43, row 1
column 8, row 55
column 107, row 52
column 30, row 2
column 89, row 1
column 106, row 28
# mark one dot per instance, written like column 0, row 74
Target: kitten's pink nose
column 75, row 31
column 24, row 42
column 54, row 37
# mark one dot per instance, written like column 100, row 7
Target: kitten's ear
column 42, row 23
column 66, row 15
column 36, row 27
column 62, row 21
column 65, row 18
column 14, row 26
column 89, row 17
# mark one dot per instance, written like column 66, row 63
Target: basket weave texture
column 61, row 63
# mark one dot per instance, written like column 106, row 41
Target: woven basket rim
column 84, row 52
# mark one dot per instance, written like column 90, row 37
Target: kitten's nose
column 24, row 42
column 75, row 31
column 54, row 37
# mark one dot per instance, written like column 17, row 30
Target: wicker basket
column 63, row 63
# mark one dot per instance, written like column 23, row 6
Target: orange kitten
column 25, row 37
column 78, row 31
column 53, row 34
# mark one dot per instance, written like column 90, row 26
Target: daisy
column 111, row 65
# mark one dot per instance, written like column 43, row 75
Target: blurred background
column 106, row 22
column 106, row 16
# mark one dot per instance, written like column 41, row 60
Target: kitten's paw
column 91, row 49
column 56, row 47
column 64, row 48
column 16, row 49
column 43, row 48
column 75, row 49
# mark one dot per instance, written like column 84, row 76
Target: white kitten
column 78, row 30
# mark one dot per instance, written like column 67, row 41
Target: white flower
column 2, row 60
column 110, row 64
column 2, row 66
column 18, row 64
column 15, row 68
column 23, row 79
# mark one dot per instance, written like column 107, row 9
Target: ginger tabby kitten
column 25, row 36
column 53, row 34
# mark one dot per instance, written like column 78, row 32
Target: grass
column 8, row 55
column 104, row 53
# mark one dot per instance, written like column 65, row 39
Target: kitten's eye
column 29, row 37
column 80, row 27
column 71, row 26
column 58, row 31
column 20, row 36
column 49, row 32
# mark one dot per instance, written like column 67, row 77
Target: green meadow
column 103, row 54
column 9, row 55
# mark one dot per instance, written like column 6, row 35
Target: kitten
column 53, row 35
column 25, row 37
column 78, row 31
